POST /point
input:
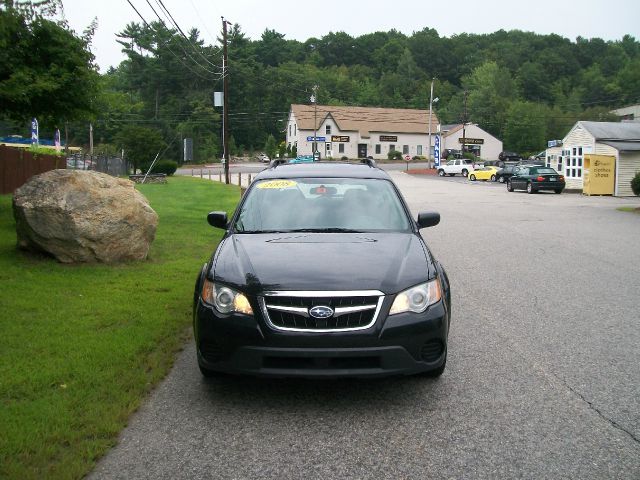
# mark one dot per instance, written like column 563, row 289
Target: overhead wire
column 186, row 65
column 173, row 21
column 194, row 60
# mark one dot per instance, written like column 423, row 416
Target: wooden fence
column 17, row 166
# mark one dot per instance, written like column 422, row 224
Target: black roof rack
column 369, row 161
column 281, row 161
column 277, row 161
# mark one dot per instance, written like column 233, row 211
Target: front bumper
column 401, row 344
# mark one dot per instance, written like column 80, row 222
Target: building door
column 362, row 150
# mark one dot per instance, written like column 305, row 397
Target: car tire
column 501, row 179
column 472, row 177
column 558, row 190
column 465, row 172
column 493, row 178
column 441, row 173
column 530, row 188
column 509, row 186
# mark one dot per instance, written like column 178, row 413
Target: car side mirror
column 428, row 219
column 218, row 219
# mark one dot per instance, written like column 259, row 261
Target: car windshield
column 322, row 205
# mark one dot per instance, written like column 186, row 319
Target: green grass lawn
column 81, row 345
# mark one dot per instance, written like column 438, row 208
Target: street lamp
column 431, row 102
column 314, row 99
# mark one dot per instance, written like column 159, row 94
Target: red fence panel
column 17, row 166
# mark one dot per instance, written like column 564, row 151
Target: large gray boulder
column 82, row 216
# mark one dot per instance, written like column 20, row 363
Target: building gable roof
column 365, row 119
column 625, row 131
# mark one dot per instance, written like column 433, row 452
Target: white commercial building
column 621, row 141
column 360, row 132
column 482, row 144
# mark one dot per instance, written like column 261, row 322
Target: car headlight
column 225, row 299
column 417, row 299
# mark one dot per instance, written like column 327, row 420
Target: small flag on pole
column 34, row 131
column 56, row 139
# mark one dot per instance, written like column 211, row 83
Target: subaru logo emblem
column 321, row 311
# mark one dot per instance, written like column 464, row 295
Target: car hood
column 389, row 262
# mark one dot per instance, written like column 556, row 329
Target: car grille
column 352, row 310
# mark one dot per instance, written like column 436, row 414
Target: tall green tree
column 46, row 71
column 141, row 145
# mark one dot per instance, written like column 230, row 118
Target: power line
column 168, row 47
column 180, row 43
column 160, row 2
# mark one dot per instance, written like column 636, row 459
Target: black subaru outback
column 322, row 272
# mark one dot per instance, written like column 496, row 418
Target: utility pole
column 464, row 123
column 430, row 109
column 314, row 99
column 91, row 140
column 225, row 106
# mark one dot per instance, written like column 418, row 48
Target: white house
column 632, row 112
column 359, row 132
column 477, row 141
column 619, row 140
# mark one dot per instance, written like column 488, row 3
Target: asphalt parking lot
column 542, row 378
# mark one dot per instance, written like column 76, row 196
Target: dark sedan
column 505, row 173
column 322, row 272
column 533, row 179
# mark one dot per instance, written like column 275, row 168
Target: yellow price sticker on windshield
column 277, row 184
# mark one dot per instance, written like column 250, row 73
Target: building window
column 294, row 129
column 419, row 150
column 378, row 149
column 289, row 129
column 327, row 129
column 405, row 149
column 328, row 148
column 392, row 148
column 341, row 148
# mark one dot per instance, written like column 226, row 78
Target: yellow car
column 484, row 173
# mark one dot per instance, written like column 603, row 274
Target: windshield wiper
column 261, row 231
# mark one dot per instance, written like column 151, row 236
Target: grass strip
column 82, row 345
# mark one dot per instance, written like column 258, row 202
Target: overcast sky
column 606, row 19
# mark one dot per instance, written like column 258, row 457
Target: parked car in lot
column 302, row 159
column 506, row 156
column 505, row 173
column 322, row 272
column 264, row 158
column 484, row 173
column 534, row 178
column 460, row 166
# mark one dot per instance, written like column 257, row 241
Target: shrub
column 394, row 155
column 167, row 167
column 344, row 158
column 635, row 184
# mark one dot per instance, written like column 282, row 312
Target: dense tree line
column 522, row 87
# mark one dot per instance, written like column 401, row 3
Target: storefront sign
column 388, row 138
column 436, row 151
column 472, row 141
column 340, row 138
column 318, row 139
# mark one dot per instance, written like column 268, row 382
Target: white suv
column 460, row 165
